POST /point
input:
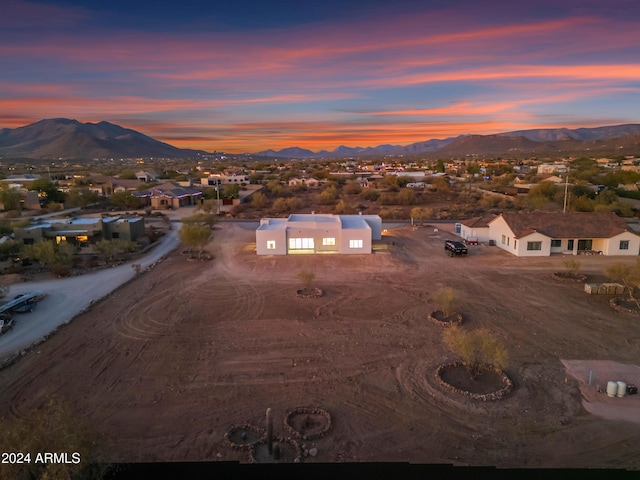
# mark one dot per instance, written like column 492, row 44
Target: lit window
column 301, row 244
column 624, row 244
column 355, row 243
column 328, row 241
column 271, row 244
column 504, row 239
column 534, row 245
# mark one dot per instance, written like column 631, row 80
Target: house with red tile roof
column 574, row 233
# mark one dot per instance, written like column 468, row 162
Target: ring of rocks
column 485, row 397
column 615, row 304
column 307, row 411
column 228, row 436
column 290, row 441
column 439, row 318
column 309, row 293
column 569, row 277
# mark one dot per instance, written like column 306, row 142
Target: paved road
column 69, row 296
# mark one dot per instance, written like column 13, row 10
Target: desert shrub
column 476, row 348
column 445, row 299
column 572, row 265
column 369, row 194
column 306, row 277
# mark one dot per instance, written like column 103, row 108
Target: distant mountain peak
column 68, row 138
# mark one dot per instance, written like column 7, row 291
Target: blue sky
column 247, row 76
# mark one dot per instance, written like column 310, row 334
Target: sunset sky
column 240, row 76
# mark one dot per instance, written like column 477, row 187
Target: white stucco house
column 318, row 233
column 542, row 234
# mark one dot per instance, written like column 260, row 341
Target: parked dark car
column 454, row 248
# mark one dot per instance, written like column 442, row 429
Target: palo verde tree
column 476, row 348
column 628, row 274
column 306, row 277
column 445, row 298
column 195, row 236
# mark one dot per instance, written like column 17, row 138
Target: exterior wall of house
column 502, row 235
column 482, row 233
column 128, row 229
column 355, row 241
column 613, row 244
column 277, row 239
column 375, row 224
column 28, row 235
column 526, row 246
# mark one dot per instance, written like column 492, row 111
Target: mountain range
column 70, row 139
column 64, row 138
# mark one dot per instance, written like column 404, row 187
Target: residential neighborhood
column 311, row 264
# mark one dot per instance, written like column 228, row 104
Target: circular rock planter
column 569, row 277
column 625, row 305
column 309, row 293
column 438, row 317
column 244, row 436
column 285, row 450
column 308, row 423
column 491, row 384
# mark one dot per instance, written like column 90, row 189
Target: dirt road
column 66, row 297
column 170, row 363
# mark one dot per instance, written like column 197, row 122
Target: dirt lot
column 169, row 363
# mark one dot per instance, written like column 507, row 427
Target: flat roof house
column 318, row 233
column 82, row 230
column 542, row 234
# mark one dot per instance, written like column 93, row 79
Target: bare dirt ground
column 166, row 365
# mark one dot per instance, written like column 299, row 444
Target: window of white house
column 271, row 244
column 355, row 243
column 556, row 243
column 515, row 244
column 534, row 245
column 301, row 244
column 508, row 241
column 624, row 244
column 504, row 239
column 329, row 241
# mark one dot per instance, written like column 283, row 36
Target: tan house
column 170, row 195
column 304, row 181
column 543, row 234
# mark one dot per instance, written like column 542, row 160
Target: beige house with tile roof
column 542, row 234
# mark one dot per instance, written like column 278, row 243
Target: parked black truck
column 454, row 248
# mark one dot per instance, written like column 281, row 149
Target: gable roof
column 565, row 225
column 168, row 189
column 478, row 222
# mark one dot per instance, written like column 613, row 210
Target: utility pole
column 566, row 189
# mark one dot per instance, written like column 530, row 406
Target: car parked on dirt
column 454, row 248
column 6, row 322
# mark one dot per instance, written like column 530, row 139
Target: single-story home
column 82, row 230
column 170, row 195
column 318, row 233
column 310, row 182
column 542, row 234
